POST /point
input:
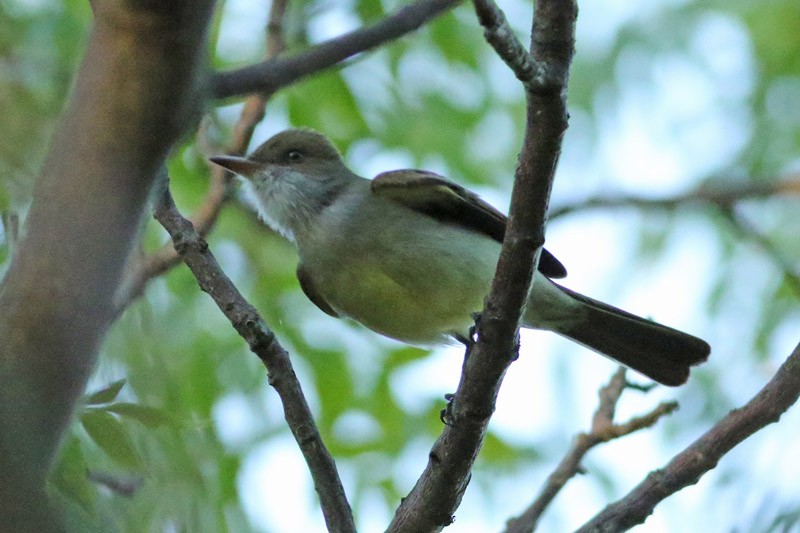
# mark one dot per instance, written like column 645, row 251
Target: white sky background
column 664, row 133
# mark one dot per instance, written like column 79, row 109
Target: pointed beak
column 239, row 165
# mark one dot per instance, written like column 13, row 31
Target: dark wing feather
column 440, row 198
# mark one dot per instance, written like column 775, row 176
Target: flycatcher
column 411, row 255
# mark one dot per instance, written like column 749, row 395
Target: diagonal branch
column 249, row 324
column 438, row 492
column 747, row 230
column 273, row 74
column 686, row 468
column 603, row 430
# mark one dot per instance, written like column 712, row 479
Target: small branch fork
column 603, row 430
column 499, row 34
column 194, row 251
column 687, row 467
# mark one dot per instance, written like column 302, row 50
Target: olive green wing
column 310, row 290
column 443, row 200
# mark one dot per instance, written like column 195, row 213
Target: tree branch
column 603, row 430
column 438, row 492
column 499, row 34
column 271, row 75
column 135, row 92
column 686, row 468
column 722, row 196
column 249, row 324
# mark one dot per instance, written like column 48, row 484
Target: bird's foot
column 446, row 414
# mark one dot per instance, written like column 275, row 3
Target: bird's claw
column 446, row 414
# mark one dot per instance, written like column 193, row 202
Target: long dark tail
column 657, row 351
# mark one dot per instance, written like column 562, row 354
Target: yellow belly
column 425, row 312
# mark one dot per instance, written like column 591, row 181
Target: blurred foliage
column 178, row 405
column 40, row 45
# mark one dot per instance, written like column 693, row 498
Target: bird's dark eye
column 294, row 156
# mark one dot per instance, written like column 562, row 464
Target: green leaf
column 337, row 114
column 105, row 395
column 456, row 40
column 149, row 416
column 69, row 475
column 5, row 200
column 110, row 435
column 370, row 9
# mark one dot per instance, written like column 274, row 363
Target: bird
column 411, row 255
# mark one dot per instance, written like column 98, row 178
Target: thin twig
column 603, row 430
column 271, row 75
column 725, row 198
column 249, row 324
column 718, row 195
column 686, row 468
column 438, row 492
column 747, row 230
